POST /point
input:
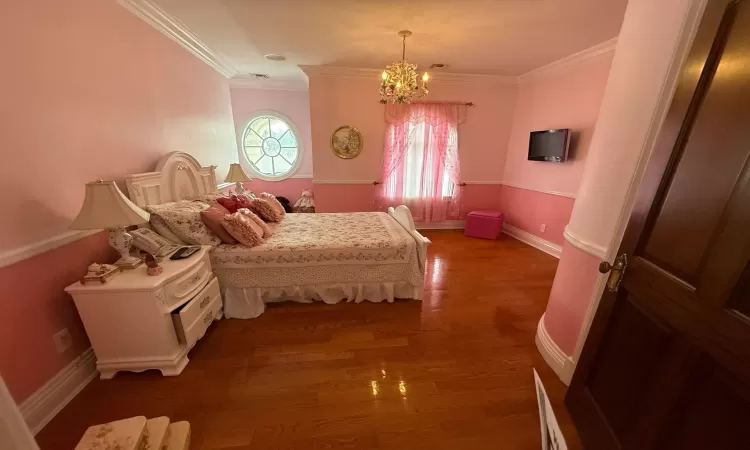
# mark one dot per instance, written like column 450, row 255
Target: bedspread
column 301, row 240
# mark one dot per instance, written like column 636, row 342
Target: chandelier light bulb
column 425, row 77
column 385, row 75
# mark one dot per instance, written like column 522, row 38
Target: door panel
column 632, row 347
column 713, row 414
column 667, row 360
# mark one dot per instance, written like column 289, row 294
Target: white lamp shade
column 105, row 206
column 236, row 174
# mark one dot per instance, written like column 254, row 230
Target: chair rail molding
column 12, row 256
column 542, row 191
column 582, row 244
column 174, row 29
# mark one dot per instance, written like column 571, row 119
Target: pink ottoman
column 484, row 224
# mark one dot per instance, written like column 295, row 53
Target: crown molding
column 442, row 77
column 570, row 60
column 248, row 82
column 174, row 29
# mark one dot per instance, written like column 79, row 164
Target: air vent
column 260, row 75
column 437, row 66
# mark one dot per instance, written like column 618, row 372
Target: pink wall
column 529, row 210
column 295, row 105
column 574, row 283
column 483, row 137
column 96, row 93
column 644, row 69
column 35, row 307
column 562, row 98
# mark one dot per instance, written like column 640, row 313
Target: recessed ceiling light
column 437, row 66
column 275, row 57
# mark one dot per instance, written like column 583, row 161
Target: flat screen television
column 549, row 145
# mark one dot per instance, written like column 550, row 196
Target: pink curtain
column 421, row 167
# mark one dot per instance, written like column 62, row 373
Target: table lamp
column 105, row 206
column 237, row 175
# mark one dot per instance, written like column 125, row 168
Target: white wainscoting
column 561, row 363
column 44, row 404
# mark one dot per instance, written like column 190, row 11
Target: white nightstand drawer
column 192, row 320
column 188, row 285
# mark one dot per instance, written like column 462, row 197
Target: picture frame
column 346, row 142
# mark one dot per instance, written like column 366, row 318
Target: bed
column 373, row 256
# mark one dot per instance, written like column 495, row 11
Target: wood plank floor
column 450, row 372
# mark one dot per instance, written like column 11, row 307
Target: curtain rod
column 437, row 103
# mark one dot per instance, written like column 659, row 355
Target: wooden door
column 667, row 361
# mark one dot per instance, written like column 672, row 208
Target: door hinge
column 617, row 271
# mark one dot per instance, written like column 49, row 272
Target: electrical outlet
column 62, row 339
column 543, row 228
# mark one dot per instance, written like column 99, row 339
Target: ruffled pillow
column 270, row 198
column 264, row 210
column 234, row 202
column 242, row 228
column 267, row 231
column 212, row 218
column 184, row 219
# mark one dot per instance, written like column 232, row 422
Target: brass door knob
column 604, row 267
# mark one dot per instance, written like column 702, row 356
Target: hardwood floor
column 450, row 372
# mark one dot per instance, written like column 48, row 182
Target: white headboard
column 177, row 176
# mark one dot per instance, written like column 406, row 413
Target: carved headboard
column 177, row 176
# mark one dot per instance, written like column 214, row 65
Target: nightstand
column 137, row 322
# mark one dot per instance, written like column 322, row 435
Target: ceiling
column 498, row 37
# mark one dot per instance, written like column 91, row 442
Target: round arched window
column 271, row 147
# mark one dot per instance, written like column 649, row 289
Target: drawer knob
column 209, row 317
column 205, row 301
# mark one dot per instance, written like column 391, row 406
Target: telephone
column 152, row 242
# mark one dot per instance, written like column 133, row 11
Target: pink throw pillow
column 266, row 230
column 274, row 202
column 242, row 228
column 243, row 200
column 264, row 210
column 229, row 203
column 212, row 218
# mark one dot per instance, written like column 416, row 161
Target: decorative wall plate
column 346, row 142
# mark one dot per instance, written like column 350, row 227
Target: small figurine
column 100, row 273
column 153, row 267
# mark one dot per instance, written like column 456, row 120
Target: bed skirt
column 248, row 303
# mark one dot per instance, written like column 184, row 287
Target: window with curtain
column 421, row 166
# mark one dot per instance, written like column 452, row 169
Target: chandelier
column 399, row 79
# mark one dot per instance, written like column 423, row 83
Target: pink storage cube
column 485, row 224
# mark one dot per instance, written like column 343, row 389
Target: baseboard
column 44, row 404
column 533, row 240
column 561, row 363
column 444, row 225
